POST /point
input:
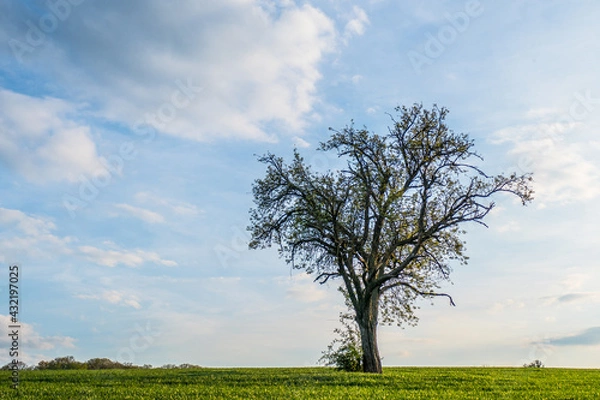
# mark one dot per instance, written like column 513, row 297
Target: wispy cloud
column 588, row 337
column 508, row 304
column 302, row 288
column 29, row 225
column 562, row 170
column 31, row 339
column 113, row 297
column 175, row 206
column 30, row 234
column 575, row 297
column 145, row 215
column 574, row 281
column 37, row 238
column 129, row 258
column 509, row 226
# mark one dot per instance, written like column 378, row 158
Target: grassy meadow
column 306, row 383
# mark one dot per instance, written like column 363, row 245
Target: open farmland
column 307, row 383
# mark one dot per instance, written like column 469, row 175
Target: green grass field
column 307, row 383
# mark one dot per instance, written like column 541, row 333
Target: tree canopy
column 390, row 223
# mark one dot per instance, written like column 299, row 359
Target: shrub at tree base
column 345, row 352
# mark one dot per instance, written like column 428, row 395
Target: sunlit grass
column 307, row 383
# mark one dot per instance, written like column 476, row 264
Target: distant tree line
column 69, row 363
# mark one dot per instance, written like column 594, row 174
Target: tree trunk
column 367, row 323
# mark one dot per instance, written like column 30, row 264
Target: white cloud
column 509, row 226
column 30, row 338
column 40, row 139
column 32, row 226
column 32, row 343
column 113, row 297
column 201, row 70
column 29, row 234
column 573, row 298
column 302, row 288
column 357, row 24
column 356, row 79
column 130, row 258
column 563, row 172
column 32, row 235
column 541, row 113
column 176, row 206
column 508, row 304
column 299, row 142
column 574, row 281
column 148, row 216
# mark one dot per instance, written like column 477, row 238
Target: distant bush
column 534, row 364
column 187, row 366
column 105, row 363
column 20, row 366
column 69, row 362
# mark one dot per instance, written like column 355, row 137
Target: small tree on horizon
column 389, row 224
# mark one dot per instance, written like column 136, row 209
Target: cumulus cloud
column 41, row 141
column 198, row 70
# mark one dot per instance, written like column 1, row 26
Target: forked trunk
column 367, row 323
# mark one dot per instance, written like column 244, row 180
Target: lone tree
column 389, row 223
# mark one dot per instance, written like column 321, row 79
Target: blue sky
column 128, row 141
